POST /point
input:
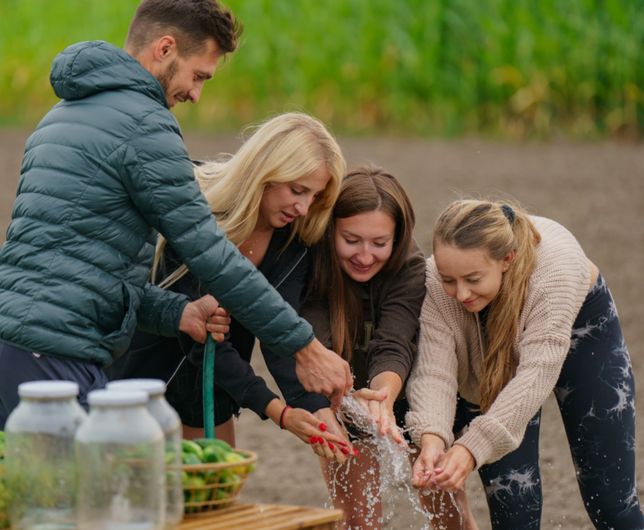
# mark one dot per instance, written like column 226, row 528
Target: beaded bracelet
column 287, row 407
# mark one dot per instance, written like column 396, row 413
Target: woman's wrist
column 467, row 453
column 388, row 382
column 274, row 410
column 283, row 416
column 432, row 440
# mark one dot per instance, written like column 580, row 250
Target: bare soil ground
column 596, row 190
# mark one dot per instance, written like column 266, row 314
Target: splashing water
column 392, row 471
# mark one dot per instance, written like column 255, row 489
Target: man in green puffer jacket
column 105, row 170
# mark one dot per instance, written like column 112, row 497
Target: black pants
column 596, row 396
column 18, row 366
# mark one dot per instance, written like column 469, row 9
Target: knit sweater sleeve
column 557, row 290
column 432, row 384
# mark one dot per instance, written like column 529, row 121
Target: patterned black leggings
column 596, row 397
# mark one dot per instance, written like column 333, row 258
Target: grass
column 506, row 68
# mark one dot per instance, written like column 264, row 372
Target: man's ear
column 165, row 48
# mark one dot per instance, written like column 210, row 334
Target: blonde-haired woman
column 514, row 310
column 272, row 198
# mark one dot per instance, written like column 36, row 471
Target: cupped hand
column 381, row 411
column 339, row 448
column 431, row 453
column 454, row 468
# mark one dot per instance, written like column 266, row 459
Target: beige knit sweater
column 449, row 353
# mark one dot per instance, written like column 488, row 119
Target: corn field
column 497, row 68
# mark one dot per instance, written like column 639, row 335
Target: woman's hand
column 381, row 411
column 454, row 468
column 339, row 449
column 322, row 431
column 431, row 452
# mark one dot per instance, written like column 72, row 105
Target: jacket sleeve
column 393, row 346
column 283, row 368
column 160, row 181
column 160, row 311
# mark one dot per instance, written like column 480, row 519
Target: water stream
column 392, row 468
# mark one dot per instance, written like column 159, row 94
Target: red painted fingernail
column 355, row 452
column 323, row 427
column 331, row 446
column 344, row 450
column 342, row 443
column 320, row 440
column 313, row 439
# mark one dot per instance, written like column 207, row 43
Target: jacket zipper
column 288, row 273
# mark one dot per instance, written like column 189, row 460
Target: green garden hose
column 208, row 379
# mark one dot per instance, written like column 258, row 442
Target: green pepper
column 190, row 459
column 194, row 490
column 219, row 494
column 234, row 484
column 214, row 453
column 204, row 443
column 190, row 447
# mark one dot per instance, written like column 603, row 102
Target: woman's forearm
column 389, row 382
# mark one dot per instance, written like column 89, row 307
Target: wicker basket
column 208, row 487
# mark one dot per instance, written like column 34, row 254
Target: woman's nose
column 365, row 257
column 302, row 206
column 462, row 293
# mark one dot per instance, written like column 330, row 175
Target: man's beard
column 165, row 77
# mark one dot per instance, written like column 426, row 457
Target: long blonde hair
column 499, row 228
column 282, row 149
column 365, row 189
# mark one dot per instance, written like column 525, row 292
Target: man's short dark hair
column 190, row 22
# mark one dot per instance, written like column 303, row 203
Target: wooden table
column 264, row 517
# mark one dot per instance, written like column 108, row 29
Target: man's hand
column 202, row 316
column 219, row 324
column 324, row 372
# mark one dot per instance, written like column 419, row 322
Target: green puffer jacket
column 104, row 170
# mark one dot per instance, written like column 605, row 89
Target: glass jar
column 39, row 455
column 119, row 454
column 171, row 426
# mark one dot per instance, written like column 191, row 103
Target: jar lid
column 154, row 387
column 48, row 389
column 115, row 398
